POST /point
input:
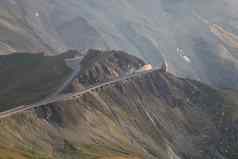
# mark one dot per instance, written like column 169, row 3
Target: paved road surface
column 68, row 96
column 76, row 70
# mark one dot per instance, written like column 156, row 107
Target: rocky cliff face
column 101, row 66
column 156, row 115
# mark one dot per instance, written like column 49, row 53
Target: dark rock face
column 101, row 66
column 52, row 113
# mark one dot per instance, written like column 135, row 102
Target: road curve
column 68, row 96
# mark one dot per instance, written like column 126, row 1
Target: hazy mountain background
column 198, row 39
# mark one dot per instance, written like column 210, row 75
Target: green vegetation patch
column 26, row 78
column 91, row 151
column 10, row 153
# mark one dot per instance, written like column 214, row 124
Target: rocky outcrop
column 101, row 66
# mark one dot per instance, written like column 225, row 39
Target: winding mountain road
column 69, row 96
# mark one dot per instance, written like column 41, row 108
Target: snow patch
column 186, row 58
column 181, row 53
column 37, row 14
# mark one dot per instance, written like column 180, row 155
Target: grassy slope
column 6, row 153
column 26, row 78
column 153, row 91
column 230, row 143
column 232, row 106
column 87, row 111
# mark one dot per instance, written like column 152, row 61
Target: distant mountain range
column 198, row 39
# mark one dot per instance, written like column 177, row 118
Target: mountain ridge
column 156, row 115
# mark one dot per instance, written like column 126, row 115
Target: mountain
column 27, row 78
column 154, row 115
column 198, row 39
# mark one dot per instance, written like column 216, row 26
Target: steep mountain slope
column 26, row 78
column 177, row 31
column 156, row 115
column 16, row 32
